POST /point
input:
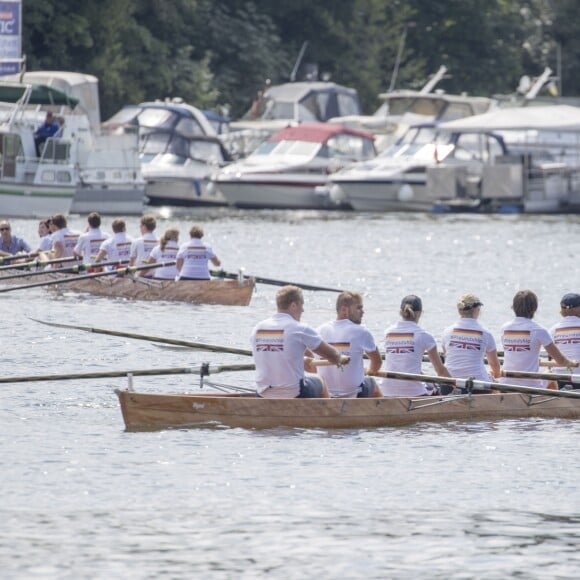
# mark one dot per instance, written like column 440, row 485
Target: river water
column 82, row 498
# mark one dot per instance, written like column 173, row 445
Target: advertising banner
column 10, row 36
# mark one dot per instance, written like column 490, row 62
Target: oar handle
column 570, row 378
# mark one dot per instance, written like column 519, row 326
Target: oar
column 174, row 341
column 574, row 379
column 261, row 280
column 4, row 259
column 39, row 263
column 204, row 371
column 67, row 270
column 470, row 383
column 116, row 272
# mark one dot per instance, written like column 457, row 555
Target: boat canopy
column 316, row 132
column 40, row 95
column 552, row 118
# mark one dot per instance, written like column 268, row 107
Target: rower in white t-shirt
column 523, row 339
column 466, row 343
column 351, row 339
column 405, row 344
column 89, row 243
column 193, row 257
column 142, row 246
column 165, row 251
column 63, row 239
column 279, row 344
column 566, row 333
column 118, row 247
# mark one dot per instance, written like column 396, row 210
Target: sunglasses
column 4, row 229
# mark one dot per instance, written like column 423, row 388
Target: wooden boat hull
column 155, row 411
column 224, row 292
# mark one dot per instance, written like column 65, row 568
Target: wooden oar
column 574, row 379
column 6, row 259
column 484, row 385
column 39, row 263
column 116, row 272
column 261, row 280
column 173, row 341
column 204, row 370
column 67, row 270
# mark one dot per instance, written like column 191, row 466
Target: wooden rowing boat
column 225, row 292
column 155, row 411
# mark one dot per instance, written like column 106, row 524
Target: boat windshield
column 418, row 151
column 305, row 148
column 427, row 107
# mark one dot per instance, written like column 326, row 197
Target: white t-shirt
column 566, row 335
column 89, row 243
column 141, row 248
column 278, row 345
column 465, row 344
column 166, row 255
column 117, row 248
column 45, row 243
column 405, row 343
column 195, row 255
column 522, row 340
column 351, row 340
column 68, row 239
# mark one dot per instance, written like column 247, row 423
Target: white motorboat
column 288, row 104
column 405, row 108
column 396, row 180
column 75, row 170
column 290, row 169
column 178, row 149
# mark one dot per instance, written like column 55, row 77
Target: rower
column 142, row 246
column 89, row 243
column 64, row 239
column 193, row 257
column 523, row 339
column 566, row 333
column 352, row 339
column 466, row 343
column 118, row 247
column 279, row 344
column 165, row 251
column 9, row 244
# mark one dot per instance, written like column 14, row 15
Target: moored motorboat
column 158, row 411
column 290, row 169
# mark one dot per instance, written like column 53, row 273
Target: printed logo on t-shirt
column 400, row 342
column 570, row 335
column 343, row 347
column 517, row 340
column 270, row 340
column 462, row 338
column 196, row 253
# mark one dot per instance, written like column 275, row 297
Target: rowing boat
column 156, row 411
column 225, row 292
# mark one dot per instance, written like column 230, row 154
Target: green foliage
column 214, row 53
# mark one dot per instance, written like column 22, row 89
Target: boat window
column 178, row 146
column 276, row 110
column 265, row 148
column 189, row 128
column 207, row 151
column 308, row 109
column 350, row 147
column 456, row 111
column 64, row 177
column 468, row 146
column 161, row 118
column 55, row 151
column 170, row 159
column 126, row 116
column 153, row 143
column 326, row 106
column 426, row 107
column 294, row 148
column 347, row 105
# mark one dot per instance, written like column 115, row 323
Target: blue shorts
column 368, row 388
column 310, row 388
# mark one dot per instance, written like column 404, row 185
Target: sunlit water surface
column 82, row 498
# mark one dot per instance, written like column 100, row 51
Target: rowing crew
column 284, row 348
column 95, row 246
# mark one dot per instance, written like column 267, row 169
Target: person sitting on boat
column 165, row 251
column 405, row 344
column 466, row 343
column 142, row 246
column 193, row 257
column 523, row 339
column 566, row 333
column 118, row 247
column 347, row 335
column 9, row 244
column 45, row 242
column 279, row 344
column 48, row 129
column 64, row 239
column 89, row 243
